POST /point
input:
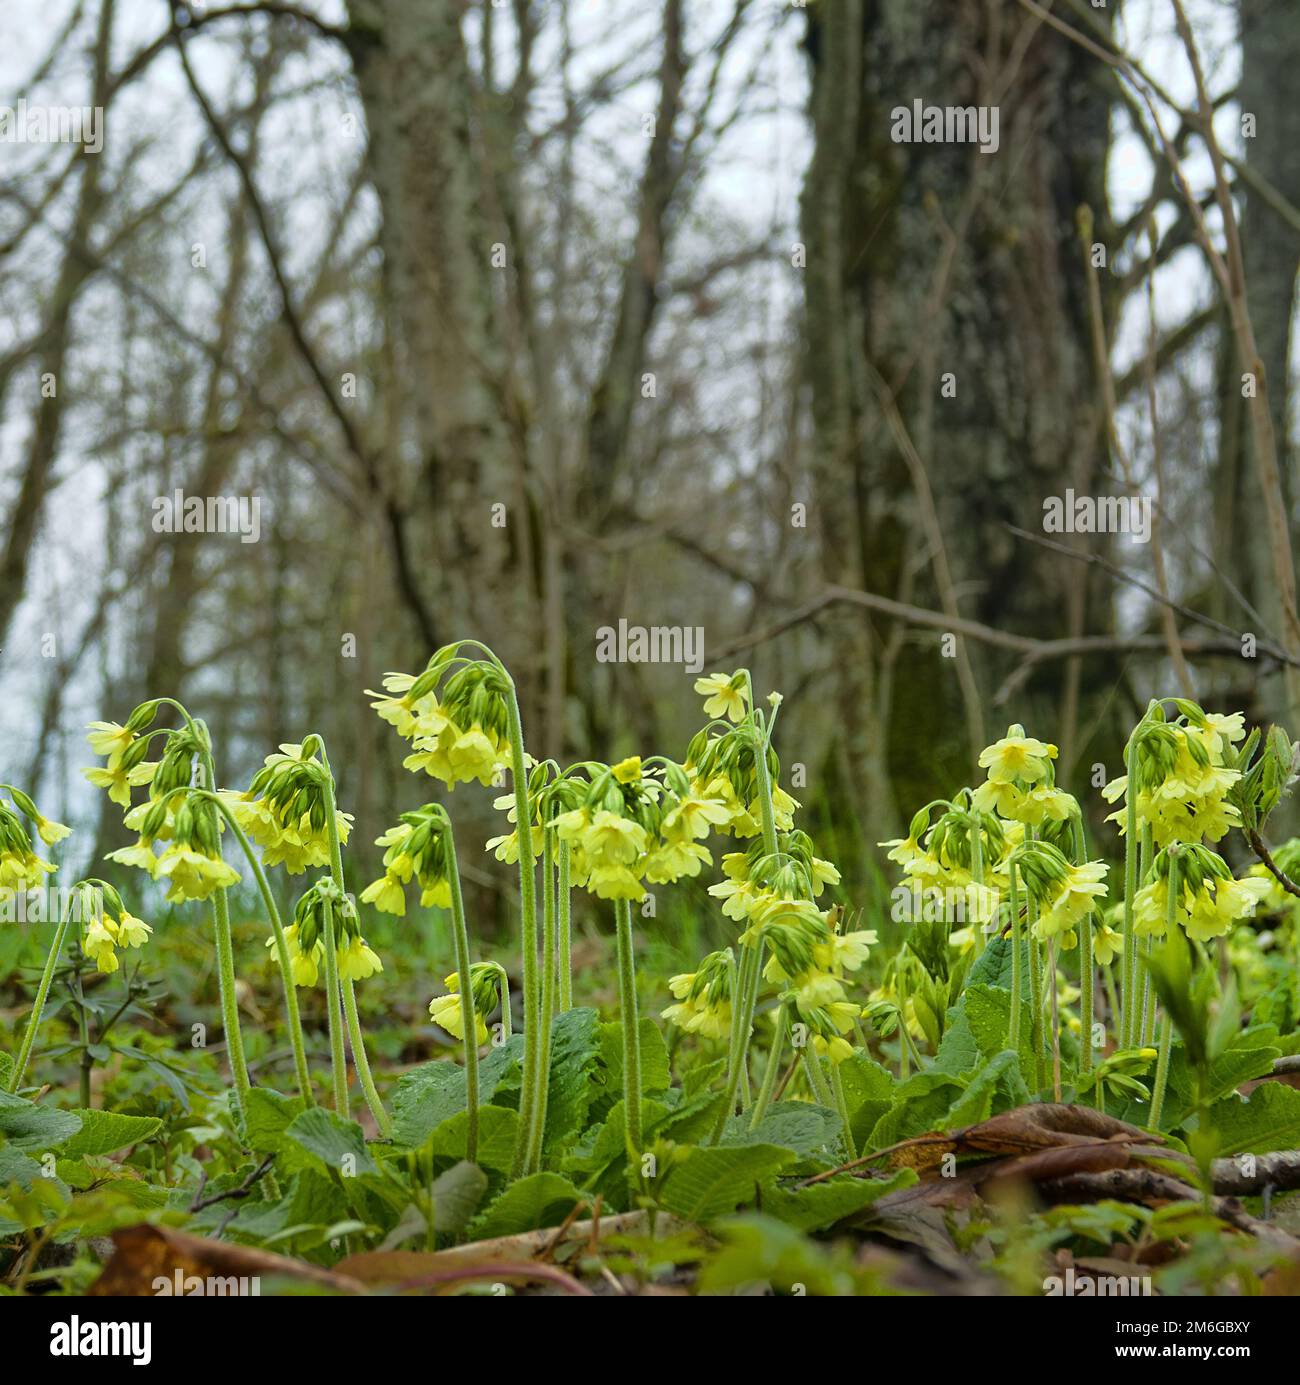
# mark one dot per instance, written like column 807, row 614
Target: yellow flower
column 51, row 832
column 116, row 781
column 446, row 1011
column 627, row 771
column 675, row 860
column 1107, row 943
column 140, row 856
column 1078, row 893
column 474, row 755
column 692, row 817
column 98, row 943
column 834, row 1048
column 131, row 931
column 109, row 740
column 304, row 967
column 387, row 895
column 724, row 695
column 613, row 840
column 1017, row 756
column 1212, row 916
column 194, row 874
column 614, row 882
column 357, row 960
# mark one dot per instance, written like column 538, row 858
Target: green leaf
column 498, row 1127
column 28, row 1126
column 575, row 1057
column 102, row 1132
column 977, row 1102
column 988, row 1009
column 922, row 1104
column 424, row 1098
column 993, row 966
column 1269, row 1120
column 699, row 1079
column 868, row 1093
column 709, row 1183
column 541, row 1199
column 456, row 1195
column 692, row 1120
column 655, row 1075
column 16, row 1167
column 823, row 1204
column 796, row 1125
column 1227, row 1072
column 269, row 1114
column 337, row 1143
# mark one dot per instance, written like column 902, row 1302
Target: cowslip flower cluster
column 1209, row 899
column 447, row 1011
column 185, row 820
column 810, row 957
column 306, row 936
column 108, row 927
column 632, row 826
column 285, row 809
column 704, row 996
column 21, row 869
column 417, row 847
column 1182, row 778
column 1021, row 783
column 124, row 749
column 722, row 767
column 458, row 731
column 939, row 862
column 1064, row 892
column 757, row 883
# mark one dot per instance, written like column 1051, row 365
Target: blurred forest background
column 652, row 276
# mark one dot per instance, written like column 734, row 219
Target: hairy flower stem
column 338, row 1064
column 42, row 992
column 1086, row 967
column 361, row 1060
column 537, row 1136
column 565, row 960
column 532, row 1074
column 773, row 1070
column 281, row 954
column 468, row 1014
column 358, row 1039
column 746, row 998
column 1017, row 982
column 812, row 1066
column 1128, row 1019
column 1036, row 982
column 1056, row 1021
column 1147, row 1027
column 977, row 876
column 751, row 965
column 631, row 1029
column 1166, row 1027
column 225, row 944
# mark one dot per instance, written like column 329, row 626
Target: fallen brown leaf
column 144, row 1254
